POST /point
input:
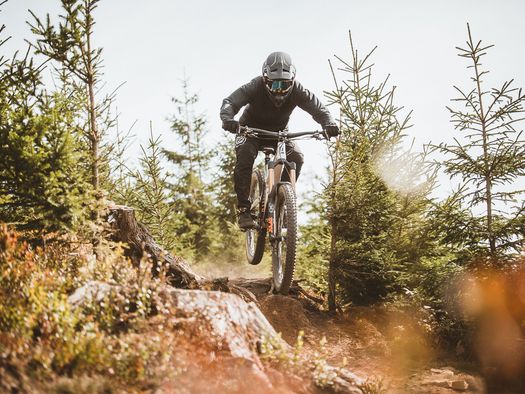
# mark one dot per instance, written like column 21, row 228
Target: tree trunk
column 332, row 264
column 332, row 268
column 486, row 158
column 141, row 244
column 93, row 132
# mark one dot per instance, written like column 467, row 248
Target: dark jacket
column 260, row 112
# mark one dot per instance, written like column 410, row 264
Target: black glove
column 332, row 130
column 230, row 125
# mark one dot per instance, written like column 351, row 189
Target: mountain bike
column 273, row 205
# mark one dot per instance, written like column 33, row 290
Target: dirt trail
column 388, row 348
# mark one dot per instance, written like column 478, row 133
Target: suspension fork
column 268, row 174
column 282, row 164
column 292, row 177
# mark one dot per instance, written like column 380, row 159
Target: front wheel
column 284, row 238
column 255, row 237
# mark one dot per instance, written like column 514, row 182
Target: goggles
column 279, row 87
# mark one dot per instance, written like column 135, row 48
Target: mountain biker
column 269, row 99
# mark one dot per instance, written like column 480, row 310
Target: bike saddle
column 268, row 151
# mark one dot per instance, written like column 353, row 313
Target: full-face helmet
column 279, row 73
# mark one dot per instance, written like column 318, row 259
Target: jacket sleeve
column 238, row 99
column 307, row 101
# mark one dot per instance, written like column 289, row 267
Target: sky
column 220, row 45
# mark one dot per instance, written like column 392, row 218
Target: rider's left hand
column 231, row 125
column 332, row 130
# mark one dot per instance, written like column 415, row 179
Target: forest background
column 403, row 214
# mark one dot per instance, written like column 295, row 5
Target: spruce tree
column 225, row 209
column 191, row 191
column 373, row 221
column 2, row 39
column 489, row 158
column 120, row 180
column 226, row 198
column 150, row 196
column 41, row 186
column 69, row 42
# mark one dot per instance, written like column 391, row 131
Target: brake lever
column 245, row 131
column 241, row 130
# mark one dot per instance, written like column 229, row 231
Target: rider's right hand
column 231, row 125
column 332, row 130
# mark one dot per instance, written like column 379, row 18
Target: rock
column 444, row 377
column 475, row 384
column 436, row 382
column 351, row 376
column 240, row 327
column 459, row 385
column 91, row 291
column 443, row 373
column 234, row 324
column 226, row 322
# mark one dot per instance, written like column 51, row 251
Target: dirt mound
column 286, row 315
column 384, row 345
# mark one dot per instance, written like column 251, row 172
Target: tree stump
column 140, row 244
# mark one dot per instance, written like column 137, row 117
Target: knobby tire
column 284, row 264
column 254, row 253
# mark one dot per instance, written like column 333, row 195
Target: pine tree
column 372, row 219
column 151, row 196
column 488, row 160
column 120, row 178
column 41, row 186
column 226, row 203
column 70, row 44
column 191, row 191
column 225, row 196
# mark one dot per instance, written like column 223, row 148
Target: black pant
column 246, row 150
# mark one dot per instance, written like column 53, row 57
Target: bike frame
column 274, row 169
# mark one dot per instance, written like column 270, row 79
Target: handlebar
column 254, row 132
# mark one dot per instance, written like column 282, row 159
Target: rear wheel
column 255, row 237
column 285, row 238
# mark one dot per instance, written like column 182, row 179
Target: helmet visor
column 279, row 87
